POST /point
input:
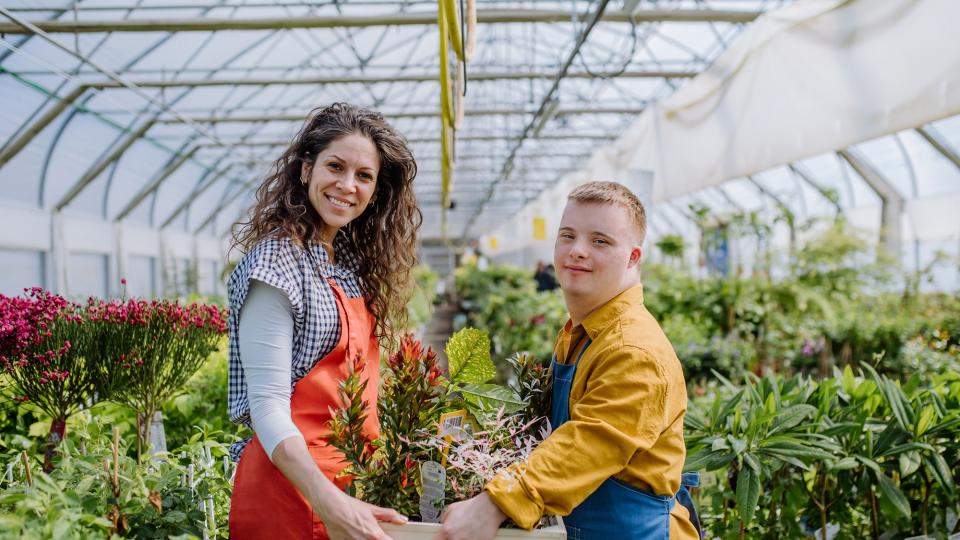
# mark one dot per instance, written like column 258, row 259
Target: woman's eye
column 335, row 166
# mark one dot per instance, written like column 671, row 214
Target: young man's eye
column 599, row 241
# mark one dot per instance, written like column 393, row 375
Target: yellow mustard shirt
column 627, row 403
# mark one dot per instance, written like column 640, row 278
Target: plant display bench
column 416, row 530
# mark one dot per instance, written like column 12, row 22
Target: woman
column 328, row 249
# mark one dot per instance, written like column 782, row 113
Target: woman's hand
column 347, row 518
column 344, row 517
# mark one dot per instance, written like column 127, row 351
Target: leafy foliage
column 83, row 497
column 792, row 455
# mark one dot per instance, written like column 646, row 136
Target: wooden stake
column 26, row 467
column 116, row 457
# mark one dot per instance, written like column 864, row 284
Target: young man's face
column 597, row 252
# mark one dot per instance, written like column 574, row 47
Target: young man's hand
column 473, row 519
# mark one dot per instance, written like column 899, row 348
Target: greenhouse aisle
column 439, row 329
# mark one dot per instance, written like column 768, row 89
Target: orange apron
column 265, row 504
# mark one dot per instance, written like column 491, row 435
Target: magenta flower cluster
column 143, row 312
column 26, row 325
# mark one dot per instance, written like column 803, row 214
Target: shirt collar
column 608, row 313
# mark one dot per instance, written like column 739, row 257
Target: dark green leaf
column 893, row 494
column 748, row 494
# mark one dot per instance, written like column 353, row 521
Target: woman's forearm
column 295, row 462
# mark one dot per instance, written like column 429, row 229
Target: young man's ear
column 636, row 254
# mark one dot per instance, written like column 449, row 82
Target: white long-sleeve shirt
column 266, row 346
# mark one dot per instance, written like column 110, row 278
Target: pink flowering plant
column 147, row 350
column 41, row 343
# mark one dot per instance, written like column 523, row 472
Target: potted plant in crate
column 414, row 396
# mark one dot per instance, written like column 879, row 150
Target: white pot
column 416, row 530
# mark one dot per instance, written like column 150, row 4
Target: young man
column 612, row 466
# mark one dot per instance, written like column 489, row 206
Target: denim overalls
column 616, row 510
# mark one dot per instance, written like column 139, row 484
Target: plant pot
column 416, row 530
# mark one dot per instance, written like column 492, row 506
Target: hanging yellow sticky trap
column 539, row 228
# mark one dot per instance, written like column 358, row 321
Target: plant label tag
column 433, row 478
column 451, row 429
column 451, row 424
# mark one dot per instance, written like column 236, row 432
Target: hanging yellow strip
column 449, row 9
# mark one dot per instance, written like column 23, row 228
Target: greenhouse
column 424, row 277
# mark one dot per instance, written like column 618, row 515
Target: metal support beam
column 13, row 147
column 195, row 194
column 26, row 135
column 94, row 171
column 548, row 98
column 891, row 200
column 939, row 142
column 407, row 114
column 802, row 174
column 156, row 183
column 398, row 77
column 80, row 7
column 29, row 133
column 483, row 137
column 420, row 18
column 229, row 200
column 766, row 192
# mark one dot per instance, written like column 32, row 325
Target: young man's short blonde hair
column 613, row 193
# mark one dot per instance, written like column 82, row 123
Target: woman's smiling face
column 341, row 181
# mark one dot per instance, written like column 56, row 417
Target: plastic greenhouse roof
column 166, row 113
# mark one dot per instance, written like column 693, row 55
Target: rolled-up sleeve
column 621, row 412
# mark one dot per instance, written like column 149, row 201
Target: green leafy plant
column 864, row 453
column 97, row 491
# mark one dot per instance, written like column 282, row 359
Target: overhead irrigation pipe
column 547, row 100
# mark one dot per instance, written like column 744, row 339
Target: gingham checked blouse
column 302, row 274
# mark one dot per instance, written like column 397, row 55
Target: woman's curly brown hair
column 382, row 238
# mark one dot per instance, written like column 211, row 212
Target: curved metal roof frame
column 526, row 68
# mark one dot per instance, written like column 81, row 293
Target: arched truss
column 165, row 114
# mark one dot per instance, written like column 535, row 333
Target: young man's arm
column 621, row 412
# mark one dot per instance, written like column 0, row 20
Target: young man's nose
column 578, row 250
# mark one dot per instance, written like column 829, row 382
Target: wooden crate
column 416, row 530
